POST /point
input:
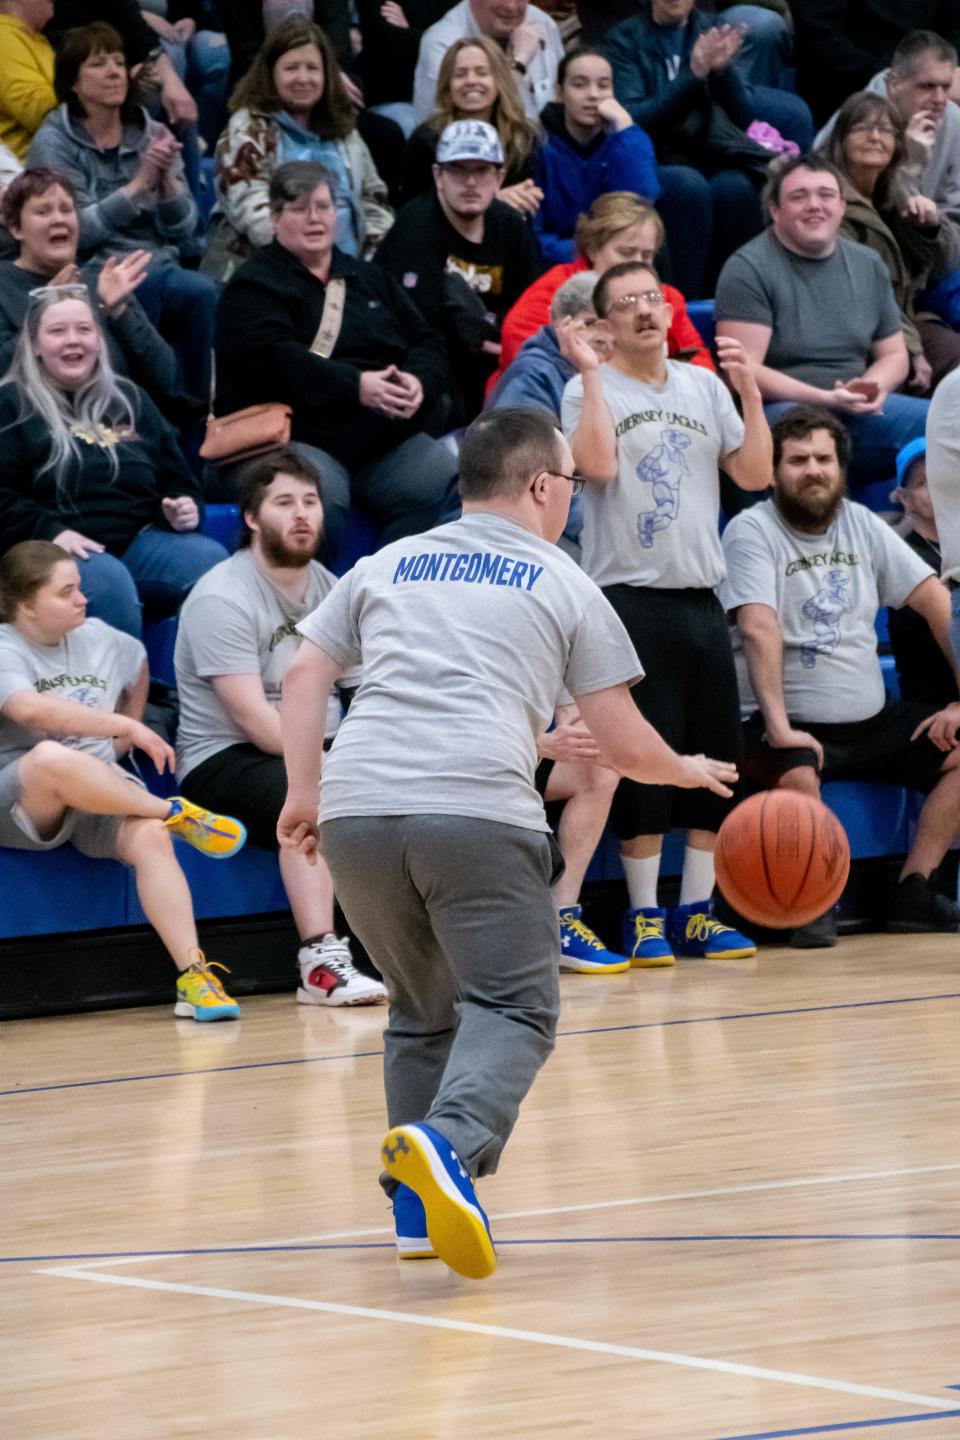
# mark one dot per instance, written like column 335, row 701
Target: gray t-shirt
column 825, row 314
column 466, row 635
column 826, row 591
column 657, row 523
column 943, row 470
column 91, row 666
column 235, row 622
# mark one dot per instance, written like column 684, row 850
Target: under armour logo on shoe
column 401, row 1148
column 565, row 942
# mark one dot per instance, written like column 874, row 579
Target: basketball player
column 651, row 433
column 436, row 839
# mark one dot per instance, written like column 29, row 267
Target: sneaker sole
column 456, row 1229
column 419, row 1250
column 652, row 962
column 183, row 1010
column 305, row 997
column 567, row 967
column 212, row 854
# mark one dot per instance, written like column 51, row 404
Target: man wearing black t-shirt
column 463, row 256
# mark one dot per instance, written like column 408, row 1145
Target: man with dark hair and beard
column 236, row 640
column 807, row 571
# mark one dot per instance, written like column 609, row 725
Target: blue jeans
column 785, row 112
column 203, row 65
column 401, row 112
column 955, row 621
column 405, row 491
column 155, row 575
column 705, row 220
column 767, row 51
column 877, row 439
column 183, row 306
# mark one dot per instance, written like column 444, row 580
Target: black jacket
column 269, row 315
column 690, row 121
column 108, row 508
column 452, row 280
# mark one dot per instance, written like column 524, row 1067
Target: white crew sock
column 642, row 876
column 698, row 876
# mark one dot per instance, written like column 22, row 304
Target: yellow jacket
column 26, row 83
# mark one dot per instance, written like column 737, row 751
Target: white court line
column 502, row 1332
column 762, row 1185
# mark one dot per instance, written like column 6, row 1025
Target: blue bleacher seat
column 222, row 522
column 702, row 314
column 160, row 636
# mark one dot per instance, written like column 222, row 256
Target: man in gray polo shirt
column 806, row 573
column 429, row 820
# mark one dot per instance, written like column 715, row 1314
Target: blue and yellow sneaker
column 201, row 995
column 697, row 935
column 216, row 836
column 410, row 1223
column 581, row 952
column 420, row 1158
column 644, row 938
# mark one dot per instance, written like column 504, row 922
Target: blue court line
column 848, row 1425
column 563, row 1034
column 539, row 1240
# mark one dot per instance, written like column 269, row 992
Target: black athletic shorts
column 878, row 748
column 688, row 694
column 245, row 782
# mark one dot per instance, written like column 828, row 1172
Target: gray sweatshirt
column 111, row 223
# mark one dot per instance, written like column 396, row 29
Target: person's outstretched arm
column 630, row 745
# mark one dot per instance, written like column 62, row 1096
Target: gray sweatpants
column 457, row 914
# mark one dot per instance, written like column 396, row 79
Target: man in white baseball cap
column 464, row 256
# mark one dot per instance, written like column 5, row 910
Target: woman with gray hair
column 539, row 373
column 88, row 462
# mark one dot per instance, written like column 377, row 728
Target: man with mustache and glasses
column 650, row 434
column 807, row 571
column 236, row 640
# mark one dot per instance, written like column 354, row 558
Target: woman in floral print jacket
column 291, row 106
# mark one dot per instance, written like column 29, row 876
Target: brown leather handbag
column 260, row 428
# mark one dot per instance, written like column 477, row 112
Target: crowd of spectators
column 377, row 219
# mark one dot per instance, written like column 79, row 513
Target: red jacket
column 533, row 310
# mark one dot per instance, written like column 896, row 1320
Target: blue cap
column 914, row 451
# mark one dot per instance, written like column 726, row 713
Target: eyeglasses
column 576, row 479
column 871, row 127
column 653, row 298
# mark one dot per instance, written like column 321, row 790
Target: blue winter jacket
column 536, row 380
column 572, row 175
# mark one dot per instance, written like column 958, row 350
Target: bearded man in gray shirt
column 806, row 573
column 429, row 820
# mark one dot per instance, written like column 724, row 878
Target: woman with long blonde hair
column 88, row 462
column 476, row 83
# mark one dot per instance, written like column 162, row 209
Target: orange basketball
column 782, row 858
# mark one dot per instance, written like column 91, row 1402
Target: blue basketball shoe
column 697, row 935
column 645, row 940
column 581, row 951
column 410, row 1223
column 420, row 1158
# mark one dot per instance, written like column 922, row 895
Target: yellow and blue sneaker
column 200, row 994
column 216, row 836
column 645, row 940
column 420, row 1158
column 410, row 1224
column 581, row 952
column 697, row 935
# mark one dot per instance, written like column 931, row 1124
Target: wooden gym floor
column 730, row 1209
